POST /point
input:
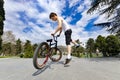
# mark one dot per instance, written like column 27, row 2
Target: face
column 54, row 18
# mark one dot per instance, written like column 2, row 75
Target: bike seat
column 49, row 40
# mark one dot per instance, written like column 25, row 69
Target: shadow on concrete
column 39, row 71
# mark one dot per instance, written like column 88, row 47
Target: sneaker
column 78, row 45
column 67, row 61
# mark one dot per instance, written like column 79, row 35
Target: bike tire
column 37, row 56
column 55, row 54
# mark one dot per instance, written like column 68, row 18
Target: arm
column 60, row 31
column 59, row 28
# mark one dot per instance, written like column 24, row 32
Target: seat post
column 50, row 44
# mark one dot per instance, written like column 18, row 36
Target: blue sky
column 29, row 19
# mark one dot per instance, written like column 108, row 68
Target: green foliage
column 21, row 55
column 118, row 34
column 0, row 43
column 77, row 51
column 90, row 46
column 35, row 46
column 2, row 18
column 113, row 24
column 101, row 44
column 18, row 47
column 10, row 49
column 99, row 4
column 113, row 45
column 109, row 46
column 7, row 49
column 28, row 50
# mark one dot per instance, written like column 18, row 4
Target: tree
column 108, row 7
column 77, row 51
column 2, row 18
column 100, row 43
column 113, row 45
column 6, row 49
column 118, row 34
column 80, row 51
column 8, row 36
column 18, row 47
column 90, row 46
column 111, row 6
column 35, row 46
column 13, row 49
column 113, row 26
column 28, row 49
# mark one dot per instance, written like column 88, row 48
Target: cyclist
column 63, row 25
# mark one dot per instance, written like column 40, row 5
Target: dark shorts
column 68, row 34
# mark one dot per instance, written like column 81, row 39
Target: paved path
column 79, row 69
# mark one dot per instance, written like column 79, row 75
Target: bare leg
column 69, row 51
column 74, row 42
column 68, row 59
column 69, row 48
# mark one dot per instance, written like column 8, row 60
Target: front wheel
column 41, row 55
column 55, row 54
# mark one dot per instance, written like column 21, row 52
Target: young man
column 63, row 25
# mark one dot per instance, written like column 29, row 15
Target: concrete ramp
column 78, row 69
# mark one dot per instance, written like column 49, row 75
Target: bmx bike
column 46, row 50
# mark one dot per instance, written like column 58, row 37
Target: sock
column 69, row 56
column 77, row 44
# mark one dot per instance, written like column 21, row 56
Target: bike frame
column 46, row 55
column 55, row 41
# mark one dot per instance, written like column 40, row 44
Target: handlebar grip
column 53, row 35
column 58, row 35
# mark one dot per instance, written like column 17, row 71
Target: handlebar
column 55, row 37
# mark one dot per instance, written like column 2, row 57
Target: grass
column 88, row 55
column 80, row 56
column 4, row 56
column 7, row 56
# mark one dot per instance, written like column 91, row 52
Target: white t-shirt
column 65, row 25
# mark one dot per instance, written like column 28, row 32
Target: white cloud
column 101, row 19
column 87, row 3
column 13, row 23
column 73, row 3
column 83, row 36
column 52, row 5
column 13, row 6
column 78, row 28
column 84, row 6
column 68, row 19
column 85, row 19
column 39, row 34
column 80, row 8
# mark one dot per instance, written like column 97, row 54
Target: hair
column 52, row 14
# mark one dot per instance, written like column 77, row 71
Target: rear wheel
column 41, row 55
column 55, row 54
